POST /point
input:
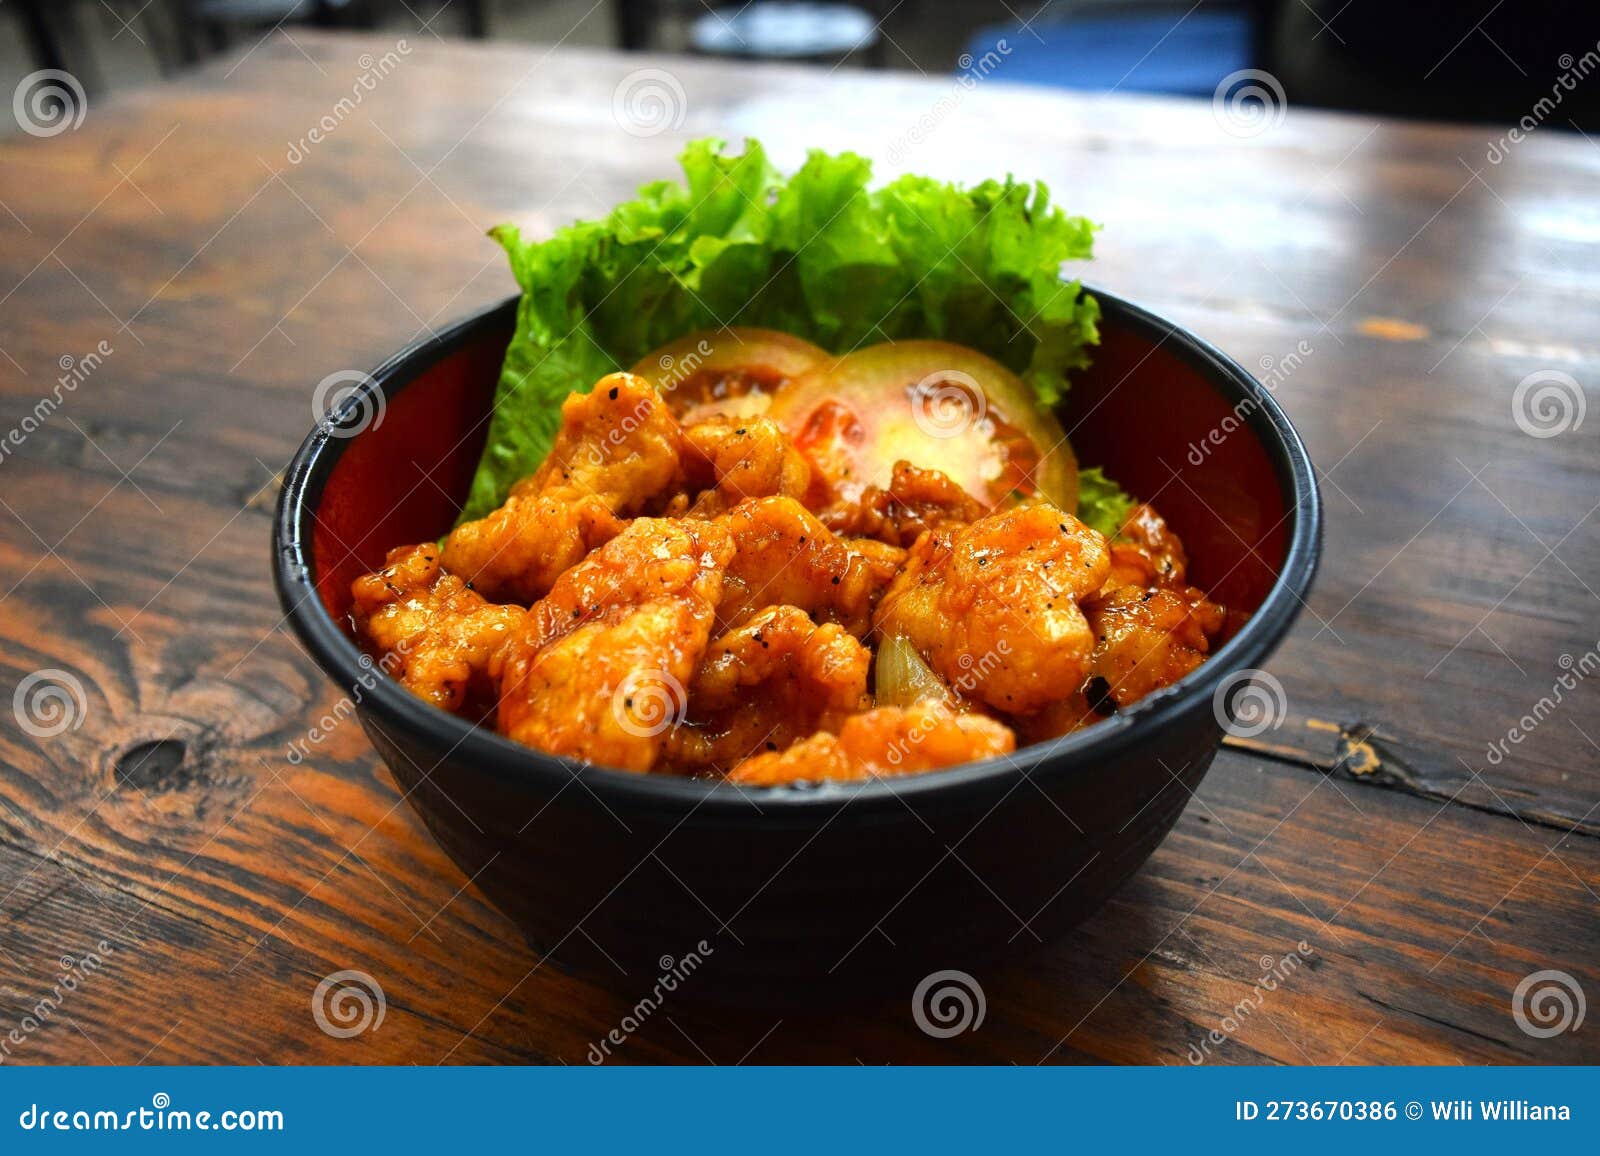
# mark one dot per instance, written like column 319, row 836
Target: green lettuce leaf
column 819, row 255
column 1101, row 502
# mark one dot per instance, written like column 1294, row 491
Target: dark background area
column 1479, row 60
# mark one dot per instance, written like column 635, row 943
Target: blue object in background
column 1145, row 53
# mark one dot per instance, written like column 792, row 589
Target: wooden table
column 1425, row 878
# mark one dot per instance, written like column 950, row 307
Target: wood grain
column 1425, row 878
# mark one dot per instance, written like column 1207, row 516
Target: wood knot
column 154, row 765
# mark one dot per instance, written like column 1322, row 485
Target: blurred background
column 1481, row 60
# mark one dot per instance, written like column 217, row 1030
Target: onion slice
column 902, row 678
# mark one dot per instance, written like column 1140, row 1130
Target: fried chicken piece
column 618, row 447
column 600, row 671
column 1149, row 638
column 764, row 684
column 787, row 557
column 887, row 741
column 993, row 607
column 1062, row 717
column 430, row 630
column 916, row 499
column 1151, row 627
column 928, row 500
column 747, row 458
column 519, row 550
column 1146, row 552
column 782, row 642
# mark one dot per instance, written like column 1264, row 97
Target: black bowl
column 780, row 895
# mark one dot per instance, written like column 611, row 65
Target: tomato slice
column 938, row 406
column 727, row 371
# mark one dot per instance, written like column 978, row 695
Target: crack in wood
column 1446, row 1024
column 1356, row 752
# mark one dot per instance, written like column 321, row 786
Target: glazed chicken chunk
column 711, row 599
column 916, row 499
column 994, row 607
column 887, row 741
column 1149, row 638
column 764, row 684
column 618, row 447
column 1146, row 553
column 429, row 630
column 786, row 556
column 600, row 671
column 748, row 458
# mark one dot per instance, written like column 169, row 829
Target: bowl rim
column 386, row 704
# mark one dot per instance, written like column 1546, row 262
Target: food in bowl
column 773, row 600
column 754, row 559
column 835, row 891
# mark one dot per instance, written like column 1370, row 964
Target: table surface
column 228, row 262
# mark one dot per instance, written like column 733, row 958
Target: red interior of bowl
column 1145, row 415
column 403, row 479
column 1138, row 412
